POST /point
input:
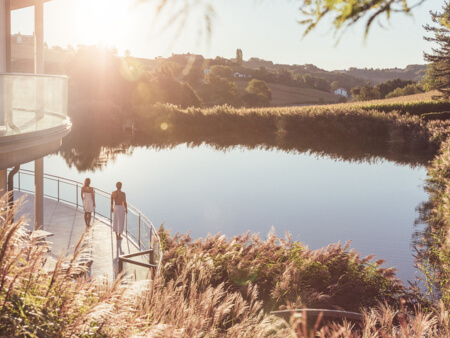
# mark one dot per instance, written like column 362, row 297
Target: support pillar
column 3, row 57
column 3, row 37
column 39, row 57
column 39, row 194
column 39, row 37
column 3, row 182
column 8, row 35
column 39, row 69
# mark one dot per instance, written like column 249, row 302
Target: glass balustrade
column 32, row 103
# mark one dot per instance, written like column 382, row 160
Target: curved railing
column 32, row 103
column 138, row 228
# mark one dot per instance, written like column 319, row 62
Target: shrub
column 284, row 272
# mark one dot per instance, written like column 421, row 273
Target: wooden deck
column 66, row 223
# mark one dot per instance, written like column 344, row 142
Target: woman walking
column 88, row 198
column 119, row 208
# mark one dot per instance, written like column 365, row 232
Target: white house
column 22, row 39
column 207, row 71
column 237, row 74
column 341, row 91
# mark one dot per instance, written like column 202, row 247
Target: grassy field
column 283, row 95
column 417, row 104
column 428, row 96
column 422, row 97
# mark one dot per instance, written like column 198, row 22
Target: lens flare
column 164, row 126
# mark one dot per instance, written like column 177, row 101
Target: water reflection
column 90, row 152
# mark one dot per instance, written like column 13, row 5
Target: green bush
column 285, row 272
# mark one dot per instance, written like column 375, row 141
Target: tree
column 260, row 88
column 257, row 94
column 365, row 93
column 221, row 71
column 239, row 57
column 390, row 85
column 440, row 56
column 322, row 84
column 410, row 89
column 309, row 80
column 219, row 88
column 335, row 85
column 429, row 82
column 284, row 74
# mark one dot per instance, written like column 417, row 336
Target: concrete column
column 39, row 69
column 3, row 39
column 8, row 34
column 39, row 194
column 39, row 37
column 3, row 182
column 39, row 56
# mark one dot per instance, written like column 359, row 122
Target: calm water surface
column 318, row 200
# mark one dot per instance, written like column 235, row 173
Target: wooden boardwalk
column 66, row 223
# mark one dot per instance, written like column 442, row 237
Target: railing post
column 58, row 189
column 152, row 257
column 19, row 180
column 139, row 237
column 151, row 233
column 94, row 199
column 120, row 265
column 77, row 194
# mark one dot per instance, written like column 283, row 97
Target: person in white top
column 119, row 207
column 88, row 198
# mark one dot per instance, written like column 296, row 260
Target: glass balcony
column 32, row 103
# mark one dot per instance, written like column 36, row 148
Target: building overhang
column 18, row 4
column 23, row 148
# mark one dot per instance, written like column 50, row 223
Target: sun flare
column 102, row 21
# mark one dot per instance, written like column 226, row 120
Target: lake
column 318, row 200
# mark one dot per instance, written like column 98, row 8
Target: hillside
column 428, row 96
column 375, row 76
column 422, row 97
column 291, row 85
column 283, row 95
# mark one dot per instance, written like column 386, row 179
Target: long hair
column 87, row 182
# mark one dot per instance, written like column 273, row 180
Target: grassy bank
column 435, row 253
column 350, row 134
column 336, row 131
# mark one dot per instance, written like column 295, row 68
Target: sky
column 266, row 29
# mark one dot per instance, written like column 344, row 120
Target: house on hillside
column 207, row 71
column 341, row 91
column 239, row 75
column 22, row 39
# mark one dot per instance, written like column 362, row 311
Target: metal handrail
column 35, row 75
column 142, row 243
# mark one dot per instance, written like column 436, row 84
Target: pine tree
column 440, row 56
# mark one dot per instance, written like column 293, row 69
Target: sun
column 102, row 21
